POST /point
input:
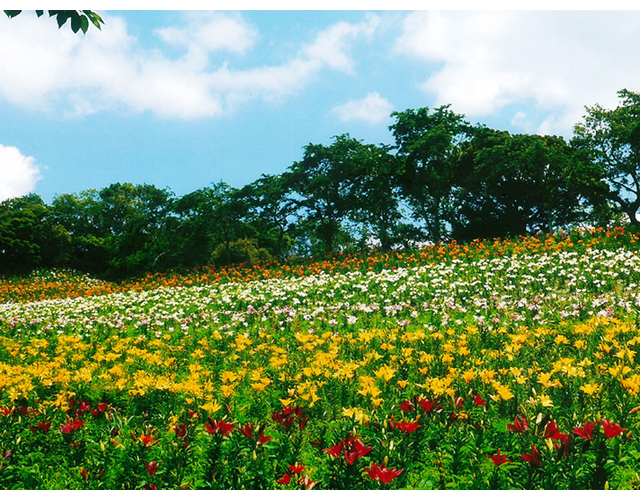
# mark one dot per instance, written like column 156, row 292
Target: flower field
column 497, row 364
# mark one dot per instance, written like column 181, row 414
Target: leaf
column 76, row 22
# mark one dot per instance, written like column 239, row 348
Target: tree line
column 443, row 179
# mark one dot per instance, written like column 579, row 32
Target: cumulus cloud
column 373, row 109
column 46, row 68
column 330, row 45
column 561, row 61
column 18, row 173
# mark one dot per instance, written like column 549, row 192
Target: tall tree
column 207, row 218
column 134, row 219
column 273, row 211
column 374, row 194
column 610, row 140
column 323, row 181
column 514, row 184
column 81, row 216
column 428, row 145
column 29, row 236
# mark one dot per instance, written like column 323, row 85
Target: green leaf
column 84, row 24
column 76, row 22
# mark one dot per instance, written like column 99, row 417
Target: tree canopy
column 443, row 179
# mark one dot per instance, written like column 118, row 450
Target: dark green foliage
column 80, row 19
column 443, row 179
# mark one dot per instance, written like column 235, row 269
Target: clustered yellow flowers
column 371, row 368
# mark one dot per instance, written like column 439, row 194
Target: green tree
column 30, row 238
column 323, row 182
column 609, row 140
column 206, row 219
column 428, row 145
column 273, row 211
column 135, row 217
column 80, row 19
column 374, row 196
column 81, row 216
column 514, row 184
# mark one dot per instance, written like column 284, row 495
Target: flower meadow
column 503, row 364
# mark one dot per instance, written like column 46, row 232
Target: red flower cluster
column 247, row 431
column 288, row 416
column 404, row 426
column 71, row 425
column 382, row 474
column 351, row 447
column 519, row 426
column 295, row 471
column 219, row 427
column 551, row 431
column 586, row 431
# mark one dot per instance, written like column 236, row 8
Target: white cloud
column 560, row 61
column 373, row 109
column 18, row 173
column 329, row 47
column 42, row 67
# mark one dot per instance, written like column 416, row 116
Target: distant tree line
column 443, row 179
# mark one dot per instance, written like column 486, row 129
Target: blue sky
column 183, row 99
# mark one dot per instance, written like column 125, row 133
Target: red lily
column 499, row 459
column 44, row 426
column 552, row 431
column 100, row 409
column 406, row 405
column 564, row 448
column 404, row 426
column 351, row 447
column 297, row 469
column 218, row 427
column 246, row 430
column 611, row 430
column 382, row 474
column 181, row 430
column 71, row 426
column 478, row 401
column 262, row 439
column 151, row 467
column 534, row 458
column 426, row 405
column 286, row 479
column 586, row 431
column 145, row 439
column 519, row 426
